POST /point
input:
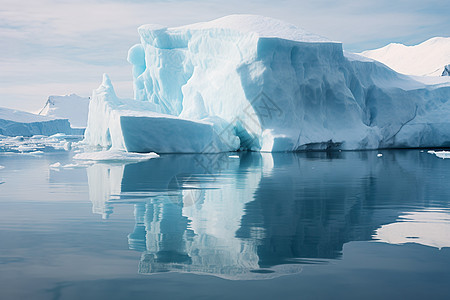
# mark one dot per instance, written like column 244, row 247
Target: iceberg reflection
column 429, row 227
column 258, row 216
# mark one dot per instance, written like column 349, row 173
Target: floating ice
column 114, row 155
column 38, row 144
column 2, row 167
column 255, row 83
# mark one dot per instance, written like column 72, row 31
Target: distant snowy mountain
column 15, row 123
column 71, row 107
column 430, row 58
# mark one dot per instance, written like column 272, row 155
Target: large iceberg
column 20, row 123
column 254, row 83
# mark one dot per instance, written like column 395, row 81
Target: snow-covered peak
column 261, row 26
column 426, row 59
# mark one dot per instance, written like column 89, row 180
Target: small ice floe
column 233, row 156
column 115, row 156
column 440, row 154
column 379, row 155
column 2, row 167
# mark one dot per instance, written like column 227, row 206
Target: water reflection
column 259, row 216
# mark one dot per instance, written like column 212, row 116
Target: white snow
column 426, row 59
column 114, row 155
column 254, row 83
column 20, row 123
column 430, row 227
column 71, row 107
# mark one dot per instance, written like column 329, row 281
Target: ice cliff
column 20, row 123
column 254, row 83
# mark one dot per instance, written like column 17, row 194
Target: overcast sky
column 52, row 47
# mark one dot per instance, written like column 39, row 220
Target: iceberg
column 71, row 107
column 246, row 82
column 20, row 123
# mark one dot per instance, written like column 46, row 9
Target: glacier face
column 20, row 123
column 260, row 84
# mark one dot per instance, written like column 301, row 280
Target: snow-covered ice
column 71, row 107
column 426, row 59
column 20, row 123
column 254, row 83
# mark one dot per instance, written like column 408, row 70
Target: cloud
column 68, row 42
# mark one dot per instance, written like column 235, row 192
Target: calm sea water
column 341, row 225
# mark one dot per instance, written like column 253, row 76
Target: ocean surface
column 338, row 225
